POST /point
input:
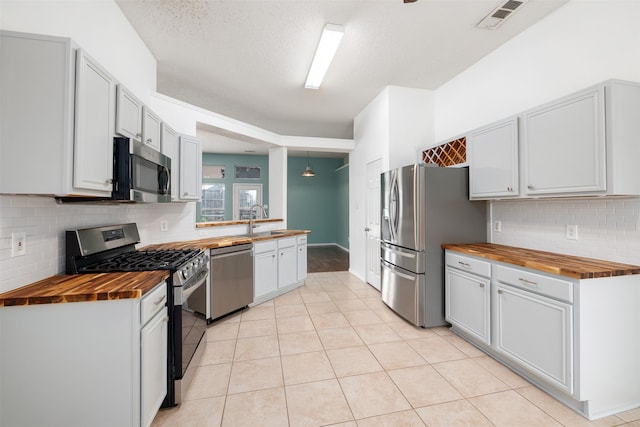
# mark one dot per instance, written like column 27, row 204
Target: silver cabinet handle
column 499, row 291
column 138, row 135
column 464, row 264
column 481, row 285
column 528, row 282
column 109, row 181
column 530, row 187
column 367, row 229
column 159, row 300
column 149, row 140
column 509, row 189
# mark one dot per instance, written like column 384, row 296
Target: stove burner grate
column 142, row 261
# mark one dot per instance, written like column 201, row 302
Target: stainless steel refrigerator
column 423, row 207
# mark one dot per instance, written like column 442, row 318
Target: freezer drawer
column 406, row 259
column 403, row 291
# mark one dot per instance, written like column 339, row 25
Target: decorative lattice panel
column 451, row 153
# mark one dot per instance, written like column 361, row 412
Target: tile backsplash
column 44, row 221
column 608, row 228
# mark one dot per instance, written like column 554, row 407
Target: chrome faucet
column 251, row 224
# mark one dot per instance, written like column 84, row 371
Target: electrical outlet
column 18, row 244
column 497, row 226
column 164, row 226
column 572, row 231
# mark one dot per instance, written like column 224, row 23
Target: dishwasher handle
column 228, row 254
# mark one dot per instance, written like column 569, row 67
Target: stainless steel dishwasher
column 231, row 282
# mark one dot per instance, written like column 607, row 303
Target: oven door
column 188, row 332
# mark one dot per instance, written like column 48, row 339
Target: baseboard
column 318, row 245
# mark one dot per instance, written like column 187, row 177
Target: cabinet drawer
column 263, row 247
column 302, row 240
column 543, row 285
column 152, row 302
column 286, row 242
column 471, row 265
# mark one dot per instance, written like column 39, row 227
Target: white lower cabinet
column 276, row 267
column 577, row 339
column 95, row 363
column 467, row 301
column 302, row 257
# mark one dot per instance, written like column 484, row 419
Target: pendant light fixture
column 308, row 171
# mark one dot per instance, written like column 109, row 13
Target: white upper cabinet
column 493, row 160
column 151, row 128
column 57, row 127
column 170, row 147
column 564, row 145
column 94, row 124
column 190, row 168
column 128, row 114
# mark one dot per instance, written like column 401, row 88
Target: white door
column 245, row 196
column 372, row 227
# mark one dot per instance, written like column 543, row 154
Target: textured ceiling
column 248, row 59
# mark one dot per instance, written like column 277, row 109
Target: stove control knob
column 184, row 274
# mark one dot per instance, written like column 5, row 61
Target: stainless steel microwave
column 140, row 173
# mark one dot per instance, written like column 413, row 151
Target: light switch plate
column 18, row 243
column 572, row 232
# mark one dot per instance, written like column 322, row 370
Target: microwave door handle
column 163, row 180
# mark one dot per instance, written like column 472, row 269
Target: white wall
column 582, row 43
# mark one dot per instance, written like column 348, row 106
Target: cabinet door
column 265, row 270
column 467, row 303
column 190, row 168
column 287, row 266
column 536, row 332
column 493, row 160
column 169, row 144
column 128, row 114
column 151, row 128
column 564, row 145
column 153, row 366
column 302, row 258
column 94, row 126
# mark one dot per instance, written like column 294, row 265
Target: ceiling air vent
column 500, row 13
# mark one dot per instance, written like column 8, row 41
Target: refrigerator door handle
column 394, row 196
column 389, row 267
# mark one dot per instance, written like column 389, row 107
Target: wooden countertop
column 84, row 287
column 223, row 241
column 549, row 262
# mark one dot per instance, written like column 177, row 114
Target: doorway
column 372, row 224
column 245, row 196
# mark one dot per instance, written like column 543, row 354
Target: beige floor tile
column 223, row 331
column 436, row 349
column 375, row 303
column 503, row 373
column 290, row 298
column 257, row 348
column 395, row 355
column 329, row 320
column 291, row 310
column 459, row 413
column 404, row 419
column 350, row 304
column 376, row 333
column 257, row 328
column 388, row 315
column 362, row 317
column 194, row 413
column 353, row 361
column 343, row 294
column 263, row 408
column 509, row 409
column 423, row 385
column 442, row 330
column 287, row 325
column 306, row 367
column 322, row 307
column 339, row 338
column 631, row 415
column 469, row 378
column 319, row 296
column 462, row 345
column 218, row 352
column 347, row 424
column 257, row 374
column 408, row 331
column 560, row 412
column 259, row 312
column 209, row 381
column 317, row 403
column 299, row 342
column 372, row 394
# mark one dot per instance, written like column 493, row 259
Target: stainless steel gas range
column 112, row 249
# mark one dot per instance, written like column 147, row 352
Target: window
column 245, row 196
column 212, row 202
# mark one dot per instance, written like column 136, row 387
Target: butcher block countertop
column 224, row 241
column 549, row 262
column 84, row 287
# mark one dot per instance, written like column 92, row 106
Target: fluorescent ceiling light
column 329, row 42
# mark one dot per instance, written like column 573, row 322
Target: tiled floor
column 331, row 353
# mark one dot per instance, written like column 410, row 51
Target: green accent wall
column 319, row 203
column 230, row 161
